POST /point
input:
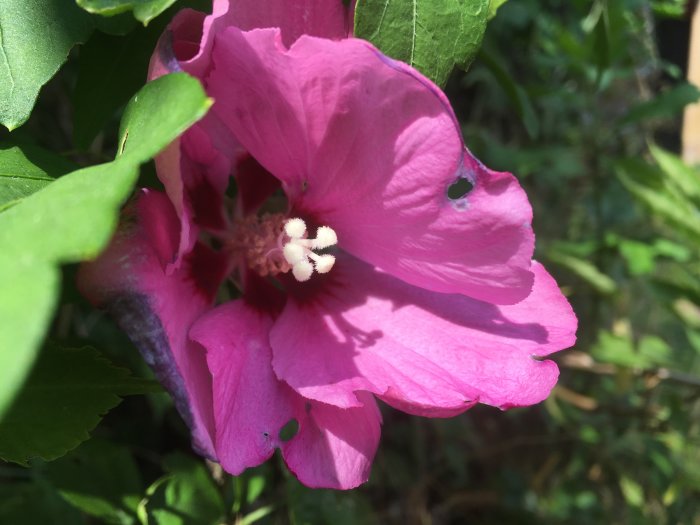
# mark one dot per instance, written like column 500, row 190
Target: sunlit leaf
column 493, row 7
column 633, row 492
column 433, row 37
column 73, row 218
column 144, row 10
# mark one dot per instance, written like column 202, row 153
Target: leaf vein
column 7, row 62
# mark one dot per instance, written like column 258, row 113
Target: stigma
column 300, row 253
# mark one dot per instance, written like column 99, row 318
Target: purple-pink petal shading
column 156, row 307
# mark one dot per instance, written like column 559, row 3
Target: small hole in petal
column 459, row 189
column 289, row 430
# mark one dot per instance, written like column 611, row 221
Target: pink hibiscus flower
column 360, row 277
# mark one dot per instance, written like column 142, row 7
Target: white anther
column 293, row 253
column 298, row 250
column 295, row 228
column 325, row 237
column 302, row 271
column 325, row 263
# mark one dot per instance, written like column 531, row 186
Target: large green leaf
column 25, row 169
column 73, row 218
column 35, row 38
column 62, row 401
column 28, row 291
column 431, row 36
column 144, row 10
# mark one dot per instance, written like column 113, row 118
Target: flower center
column 299, row 250
column 272, row 244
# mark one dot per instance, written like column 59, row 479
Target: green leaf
column 649, row 186
column 73, row 218
column 493, row 7
column 35, row 38
column 632, row 491
column 101, row 479
column 431, row 36
column 63, row 399
column 187, row 496
column 158, row 113
column 25, row 169
column 310, row 506
column 686, row 178
column 668, row 104
column 585, row 270
column 111, row 71
column 640, row 257
column 35, row 503
column 27, row 299
column 515, row 93
column 655, row 350
column 144, row 10
column 670, row 8
column 617, row 350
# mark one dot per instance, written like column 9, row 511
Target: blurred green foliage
column 574, row 98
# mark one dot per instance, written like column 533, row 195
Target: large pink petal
column 370, row 147
column 333, row 447
column 156, row 309
column 427, row 353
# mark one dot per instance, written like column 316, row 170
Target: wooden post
column 691, row 118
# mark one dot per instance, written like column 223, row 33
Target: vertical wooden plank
column 691, row 119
